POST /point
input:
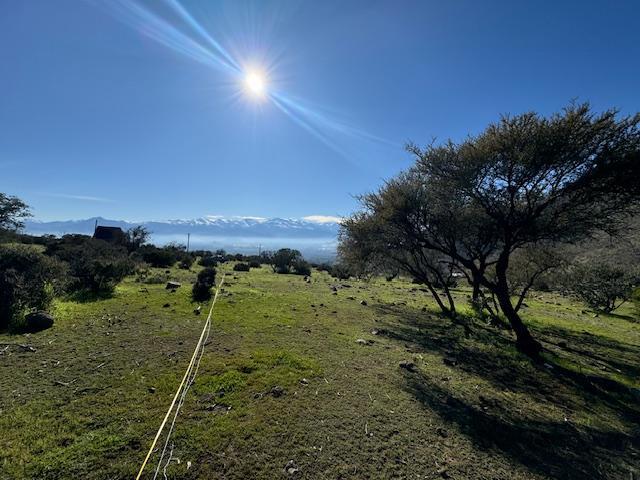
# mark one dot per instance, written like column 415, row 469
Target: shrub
column 186, row 262
column 241, row 267
column 340, row 271
column 254, row 264
column 157, row 257
column 208, row 261
column 603, row 286
column 283, row 260
column 202, row 288
column 302, row 267
column 28, row 281
column 95, row 265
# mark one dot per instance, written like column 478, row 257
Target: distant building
column 109, row 234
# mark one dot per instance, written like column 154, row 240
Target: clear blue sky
column 99, row 117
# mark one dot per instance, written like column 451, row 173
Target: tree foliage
column 94, row 265
column 13, row 211
column 525, row 181
column 28, row 281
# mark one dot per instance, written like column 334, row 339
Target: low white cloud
column 322, row 219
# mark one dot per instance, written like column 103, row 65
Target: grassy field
column 88, row 401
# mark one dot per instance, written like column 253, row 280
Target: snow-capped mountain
column 315, row 236
column 308, row 227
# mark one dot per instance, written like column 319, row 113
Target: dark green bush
column 205, row 281
column 157, row 257
column 208, row 261
column 254, row 264
column 603, row 286
column 341, row 271
column 241, row 267
column 28, row 281
column 94, row 265
column 302, row 267
column 186, row 262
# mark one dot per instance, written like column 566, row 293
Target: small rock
column 166, row 305
column 172, row 285
column 291, row 468
column 407, row 365
column 363, row 302
column 334, row 289
column 197, row 310
column 450, row 361
column 218, row 407
column 304, row 381
column 442, row 432
column 277, row 391
column 362, row 341
column 152, row 389
column 38, row 321
column 351, row 298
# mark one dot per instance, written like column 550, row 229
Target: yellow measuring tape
column 184, row 379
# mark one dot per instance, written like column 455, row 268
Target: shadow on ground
column 529, row 431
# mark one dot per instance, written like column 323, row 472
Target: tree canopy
column 525, row 181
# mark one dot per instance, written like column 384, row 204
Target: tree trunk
column 524, row 341
column 475, row 296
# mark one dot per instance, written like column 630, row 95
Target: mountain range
column 315, row 236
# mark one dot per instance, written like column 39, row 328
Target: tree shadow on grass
column 555, row 449
column 548, row 446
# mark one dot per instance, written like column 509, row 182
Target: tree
column 284, row 260
column 28, row 281
column 205, row 281
column 524, row 180
column 13, row 211
column 603, row 286
column 136, row 237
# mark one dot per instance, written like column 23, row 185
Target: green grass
column 88, row 401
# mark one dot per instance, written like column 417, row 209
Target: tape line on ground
column 182, row 383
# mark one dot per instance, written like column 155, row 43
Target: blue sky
column 106, row 110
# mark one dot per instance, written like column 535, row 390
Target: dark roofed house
column 109, row 234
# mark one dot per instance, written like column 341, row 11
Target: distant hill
column 316, row 237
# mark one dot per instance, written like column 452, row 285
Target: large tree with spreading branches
column 525, row 181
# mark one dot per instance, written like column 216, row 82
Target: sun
column 255, row 84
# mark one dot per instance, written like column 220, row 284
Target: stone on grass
column 363, row 302
column 277, row 391
column 291, row 468
column 407, row 365
column 38, row 321
column 173, row 285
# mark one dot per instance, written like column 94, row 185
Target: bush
column 202, row 288
column 28, row 281
column 255, row 264
column 603, row 286
column 95, row 265
column 157, row 257
column 340, row 271
column 283, row 260
column 241, row 267
column 186, row 262
column 302, row 267
column 208, row 261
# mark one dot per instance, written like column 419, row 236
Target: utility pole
column 259, row 250
column 188, row 240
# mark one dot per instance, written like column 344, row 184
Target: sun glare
column 255, row 84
